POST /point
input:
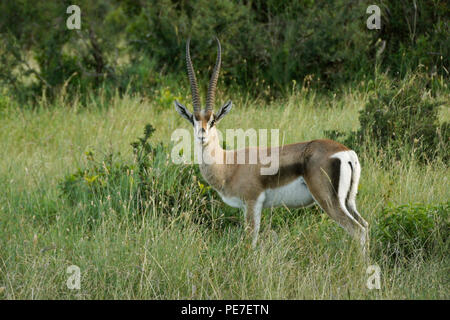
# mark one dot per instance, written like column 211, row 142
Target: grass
column 302, row 254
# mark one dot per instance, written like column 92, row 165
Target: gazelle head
column 203, row 119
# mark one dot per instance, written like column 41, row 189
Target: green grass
column 301, row 254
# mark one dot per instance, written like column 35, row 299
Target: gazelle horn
column 213, row 82
column 192, row 80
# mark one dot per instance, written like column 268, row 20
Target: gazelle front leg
column 252, row 213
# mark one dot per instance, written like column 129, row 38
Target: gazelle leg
column 328, row 199
column 253, row 217
column 341, row 215
column 350, row 202
column 351, row 206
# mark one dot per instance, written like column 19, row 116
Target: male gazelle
column 321, row 171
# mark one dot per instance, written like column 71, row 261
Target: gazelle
column 321, row 171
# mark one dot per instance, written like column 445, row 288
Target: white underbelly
column 295, row 194
column 234, row 202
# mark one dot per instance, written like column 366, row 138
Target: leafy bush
column 400, row 119
column 415, row 34
column 268, row 45
column 150, row 183
column 406, row 230
column 40, row 55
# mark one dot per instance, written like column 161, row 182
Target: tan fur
column 246, row 182
column 310, row 160
column 317, row 170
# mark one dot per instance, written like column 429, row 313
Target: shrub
column 415, row 35
column 150, row 183
column 267, row 44
column 402, row 231
column 400, row 119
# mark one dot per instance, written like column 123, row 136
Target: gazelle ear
column 184, row 112
column 223, row 111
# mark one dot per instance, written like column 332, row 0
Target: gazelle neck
column 212, row 162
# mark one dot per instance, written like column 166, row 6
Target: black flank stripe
column 335, row 173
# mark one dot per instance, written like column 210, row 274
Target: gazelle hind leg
column 347, row 188
column 348, row 179
column 351, row 206
column 323, row 190
column 351, row 198
column 341, row 215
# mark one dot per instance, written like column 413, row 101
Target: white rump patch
column 345, row 176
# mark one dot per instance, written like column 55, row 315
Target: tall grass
column 125, row 254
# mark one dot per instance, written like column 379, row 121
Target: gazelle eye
column 212, row 123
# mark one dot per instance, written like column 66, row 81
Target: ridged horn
column 192, row 80
column 213, row 82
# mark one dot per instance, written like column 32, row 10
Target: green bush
column 265, row 43
column 406, row 230
column 150, row 183
column 268, row 45
column 401, row 118
column 40, row 55
column 415, row 33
